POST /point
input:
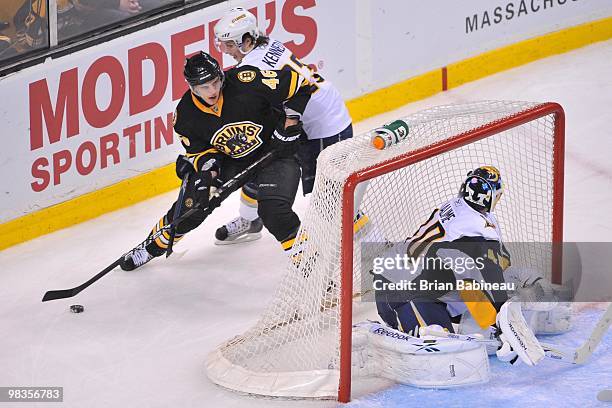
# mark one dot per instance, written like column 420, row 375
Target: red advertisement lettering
column 130, row 132
column 96, row 117
column 62, row 161
column 82, row 168
column 109, row 148
column 155, row 54
column 66, row 106
column 178, row 42
column 297, row 24
column 39, row 172
column 164, row 131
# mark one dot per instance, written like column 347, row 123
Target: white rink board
column 79, row 123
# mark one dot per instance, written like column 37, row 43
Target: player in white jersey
column 325, row 121
column 455, row 263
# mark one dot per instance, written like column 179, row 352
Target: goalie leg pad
column 440, row 363
column 516, row 335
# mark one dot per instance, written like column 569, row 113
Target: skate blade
column 253, row 236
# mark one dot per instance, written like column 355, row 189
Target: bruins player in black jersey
column 226, row 121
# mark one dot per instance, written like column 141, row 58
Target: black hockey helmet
column 201, row 68
column 482, row 188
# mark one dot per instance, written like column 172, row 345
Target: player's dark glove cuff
column 286, row 140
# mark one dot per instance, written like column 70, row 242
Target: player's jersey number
column 270, row 79
column 428, row 233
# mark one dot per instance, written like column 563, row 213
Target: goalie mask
column 482, row 188
column 234, row 25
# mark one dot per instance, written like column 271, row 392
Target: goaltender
column 456, row 273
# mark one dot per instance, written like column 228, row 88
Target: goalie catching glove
column 531, row 288
column 543, row 311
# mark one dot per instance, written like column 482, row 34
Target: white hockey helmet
column 234, row 25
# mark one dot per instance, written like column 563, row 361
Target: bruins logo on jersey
column 246, row 76
column 238, row 139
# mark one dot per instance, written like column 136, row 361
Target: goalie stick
column 218, row 196
column 552, row 351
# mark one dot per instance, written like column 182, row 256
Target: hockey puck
column 77, row 308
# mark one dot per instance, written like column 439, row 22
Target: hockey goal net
column 301, row 346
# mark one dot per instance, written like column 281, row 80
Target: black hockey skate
column 239, row 230
column 140, row 256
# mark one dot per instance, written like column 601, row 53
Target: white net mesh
column 294, row 349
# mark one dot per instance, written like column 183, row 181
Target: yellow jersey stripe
column 293, row 84
column 418, row 315
column 198, row 156
column 480, row 307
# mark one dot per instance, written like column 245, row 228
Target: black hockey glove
column 286, row 140
column 198, row 189
column 184, row 166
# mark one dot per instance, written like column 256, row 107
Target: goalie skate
column 239, row 230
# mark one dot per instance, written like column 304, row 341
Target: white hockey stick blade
column 585, row 351
column 559, row 353
column 551, row 351
column 605, row 395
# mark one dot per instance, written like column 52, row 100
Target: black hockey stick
column 221, row 194
column 177, row 211
column 66, row 293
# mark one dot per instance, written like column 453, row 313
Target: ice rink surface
column 144, row 335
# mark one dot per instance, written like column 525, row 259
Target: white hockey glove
column 518, row 341
column 555, row 321
column 532, row 288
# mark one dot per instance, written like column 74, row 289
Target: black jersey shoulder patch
column 246, row 76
